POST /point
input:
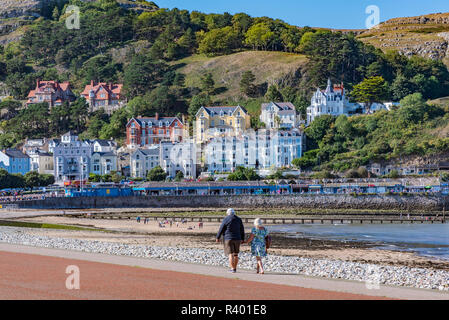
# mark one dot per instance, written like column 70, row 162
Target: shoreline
column 131, row 232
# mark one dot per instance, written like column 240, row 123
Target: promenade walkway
column 39, row 273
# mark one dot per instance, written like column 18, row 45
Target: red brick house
column 108, row 96
column 145, row 131
column 52, row 92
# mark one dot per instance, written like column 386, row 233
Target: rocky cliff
column 427, row 36
column 16, row 13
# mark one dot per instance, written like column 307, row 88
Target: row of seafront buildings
column 67, row 158
column 220, row 141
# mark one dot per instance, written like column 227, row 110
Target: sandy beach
column 189, row 235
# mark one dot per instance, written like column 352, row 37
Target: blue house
column 14, row 161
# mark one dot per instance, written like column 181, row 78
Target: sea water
column 430, row 240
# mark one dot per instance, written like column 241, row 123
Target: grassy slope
column 227, row 70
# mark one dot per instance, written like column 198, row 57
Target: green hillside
column 172, row 62
column 270, row 67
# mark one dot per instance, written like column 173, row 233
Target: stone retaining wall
column 371, row 202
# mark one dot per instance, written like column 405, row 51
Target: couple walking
column 233, row 231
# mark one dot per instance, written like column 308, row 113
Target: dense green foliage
column 243, row 174
column 29, row 180
column 345, row 143
column 156, row 174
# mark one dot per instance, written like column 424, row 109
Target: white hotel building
column 332, row 101
column 75, row 159
column 179, row 156
column 263, row 149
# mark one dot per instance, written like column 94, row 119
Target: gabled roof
column 44, row 154
column 15, row 153
column 148, row 151
column 69, row 133
column 110, row 88
column 281, row 106
column 228, row 110
column 53, row 85
column 103, row 143
column 155, row 121
column 104, row 154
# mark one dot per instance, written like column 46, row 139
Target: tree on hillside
column 208, row 83
column 60, row 121
column 9, row 109
column 32, row 122
column 241, row 22
column 247, row 83
column 414, row 109
column 78, row 114
column 198, row 101
column 141, row 75
column 369, row 91
column 259, row 36
column 114, row 129
column 318, row 128
column 308, row 160
column 219, row 41
column 100, row 68
column 95, row 123
column 273, row 94
column 161, row 100
column 402, row 87
column 137, row 106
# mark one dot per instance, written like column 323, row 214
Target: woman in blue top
column 258, row 246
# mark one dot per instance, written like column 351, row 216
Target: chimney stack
column 157, row 116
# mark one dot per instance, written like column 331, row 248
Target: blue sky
column 343, row 14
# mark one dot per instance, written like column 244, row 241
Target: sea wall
column 369, row 202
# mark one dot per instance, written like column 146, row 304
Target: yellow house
column 220, row 121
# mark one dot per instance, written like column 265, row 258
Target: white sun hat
column 230, row 211
column 258, row 222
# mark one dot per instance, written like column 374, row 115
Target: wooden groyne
column 278, row 221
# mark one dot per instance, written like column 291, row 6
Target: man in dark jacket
column 233, row 233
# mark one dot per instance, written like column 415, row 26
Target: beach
column 294, row 256
column 189, row 235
